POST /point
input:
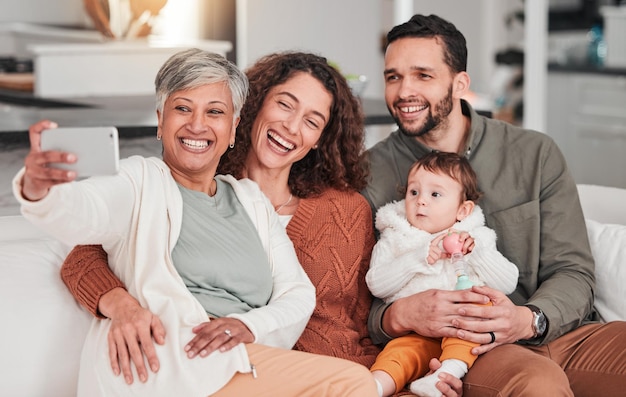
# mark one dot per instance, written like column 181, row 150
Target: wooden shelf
column 17, row 81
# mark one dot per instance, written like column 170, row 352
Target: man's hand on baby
column 449, row 385
column 430, row 313
column 219, row 334
column 508, row 322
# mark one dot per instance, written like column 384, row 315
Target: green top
column 530, row 200
column 219, row 254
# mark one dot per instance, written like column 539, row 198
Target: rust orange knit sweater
column 333, row 237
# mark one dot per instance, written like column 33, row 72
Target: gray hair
column 193, row 68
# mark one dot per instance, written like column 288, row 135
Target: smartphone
column 96, row 149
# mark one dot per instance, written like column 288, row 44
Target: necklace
column 213, row 188
column 280, row 207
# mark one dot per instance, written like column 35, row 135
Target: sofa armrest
column 43, row 326
column 605, row 214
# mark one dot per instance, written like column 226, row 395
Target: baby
column 440, row 199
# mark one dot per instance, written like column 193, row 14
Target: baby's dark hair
column 455, row 166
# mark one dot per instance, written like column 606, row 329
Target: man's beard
column 433, row 120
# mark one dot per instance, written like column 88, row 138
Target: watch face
column 540, row 323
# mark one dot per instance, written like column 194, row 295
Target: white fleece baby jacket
column 398, row 267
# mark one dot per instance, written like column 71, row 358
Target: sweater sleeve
column 491, row 267
column 396, row 259
column 375, row 322
column 87, row 275
column 565, row 280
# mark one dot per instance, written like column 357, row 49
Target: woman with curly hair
column 336, row 161
column 300, row 139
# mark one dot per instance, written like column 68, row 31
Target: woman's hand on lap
column 218, row 334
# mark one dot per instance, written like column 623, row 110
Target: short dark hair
column 455, row 166
column 433, row 26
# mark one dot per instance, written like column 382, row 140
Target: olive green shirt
column 530, row 200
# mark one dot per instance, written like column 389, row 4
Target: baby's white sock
column 425, row 387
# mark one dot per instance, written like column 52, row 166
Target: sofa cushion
column 608, row 246
column 604, row 204
column 44, row 328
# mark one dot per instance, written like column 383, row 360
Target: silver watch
column 540, row 323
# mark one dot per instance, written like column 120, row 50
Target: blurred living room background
column 557, row 66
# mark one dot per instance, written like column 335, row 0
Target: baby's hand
column 466, row 240
column 434, row 250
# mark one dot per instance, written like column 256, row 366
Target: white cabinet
column 112, row 68
column 587, row 119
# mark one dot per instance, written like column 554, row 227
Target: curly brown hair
column 338, row 162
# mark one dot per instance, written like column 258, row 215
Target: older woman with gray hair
column 206, row 254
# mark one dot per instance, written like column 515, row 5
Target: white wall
column 347, row 32
column 350, row 32
column 54, row 12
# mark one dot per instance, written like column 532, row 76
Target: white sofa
column 43, row 327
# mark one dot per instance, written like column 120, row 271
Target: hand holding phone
column 96, row 149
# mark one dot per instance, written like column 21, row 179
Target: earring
column 315, row 147
column 232, row 145
column 158, row 137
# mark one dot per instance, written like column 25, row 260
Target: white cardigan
column 98, row 210
column 398, row 267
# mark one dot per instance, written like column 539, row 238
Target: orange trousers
column 283, row 372
column 406, row 358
